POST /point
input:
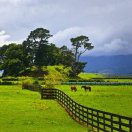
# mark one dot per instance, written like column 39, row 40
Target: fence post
column 111, row 123
column 92, row 119
column 98, row 121
column 130, row 123
column 104, row 120
column 87, row 117
column 41, row 93
column 119, row 123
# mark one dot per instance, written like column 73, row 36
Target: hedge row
column 86, row 80
column 7, row 83
column 97, row 83
column 33, row 86
column 10, row 79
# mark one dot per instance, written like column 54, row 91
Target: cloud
column 106, row 23
column 115, row 47
column 63, row 37
column 3, row 37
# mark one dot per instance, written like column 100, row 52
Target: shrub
column 35, row 82
column 30, row 85
column 27, row 84
column 52, row 79
column 41, row 78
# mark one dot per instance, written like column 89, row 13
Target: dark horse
column 86, row 88
column 73, row 88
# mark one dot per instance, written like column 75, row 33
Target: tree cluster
column 18, row 59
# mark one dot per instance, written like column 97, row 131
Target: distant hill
column 119, row 64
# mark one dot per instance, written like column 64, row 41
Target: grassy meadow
column 103, row 77
column 115, row 99
column 90, row 75
column 24, row 111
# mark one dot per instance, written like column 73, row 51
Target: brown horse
column 73, row 88
column 86, row 88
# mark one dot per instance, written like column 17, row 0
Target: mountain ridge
column 116, row 64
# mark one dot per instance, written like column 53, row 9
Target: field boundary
column 97, row 119
column 96, row 83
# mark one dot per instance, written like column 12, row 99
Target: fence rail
column 97, row 119
column 96, row 83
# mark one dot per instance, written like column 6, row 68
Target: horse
column 73, row 88
column 86, row 88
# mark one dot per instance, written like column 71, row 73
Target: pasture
column 114, row 99
column 24, row 111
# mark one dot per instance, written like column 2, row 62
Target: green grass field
column 101, row 76
column 23, row 111
column 90, row 75
column 115, row 99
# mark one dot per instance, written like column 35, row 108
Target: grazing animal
column 86, row 88
column 73, row 88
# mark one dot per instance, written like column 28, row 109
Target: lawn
column 24, row 111
column 115, row 99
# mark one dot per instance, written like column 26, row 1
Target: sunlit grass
column 115, row 99
column 90, row 75
column 24, row 111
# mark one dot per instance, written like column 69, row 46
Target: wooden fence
column 96, row 119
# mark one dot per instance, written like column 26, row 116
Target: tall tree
column 80, row 46
column 2, row 54
column 66, row 56
column 36, row 40
column 12, row 59
column 47, row 55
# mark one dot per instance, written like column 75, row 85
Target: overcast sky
column 107, row 23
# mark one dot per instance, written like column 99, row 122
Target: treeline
column 36, row 51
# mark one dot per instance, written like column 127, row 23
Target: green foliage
column 6, row 83
column 53, row 78
column 36, row 45
column 12, row 59
column 80, row 46
column 9, row 78
column 56, row 74
column 27, row 84
column 29, row 58
column 77, row 68
column 31, row 85
column 34, row 71
column 66, row 57
column 80, row 42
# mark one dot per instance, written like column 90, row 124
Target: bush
column 41, row 78
column 30, row 85
column 27, row 84
column 52, row 79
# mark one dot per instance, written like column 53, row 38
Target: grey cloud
column 107, row 23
